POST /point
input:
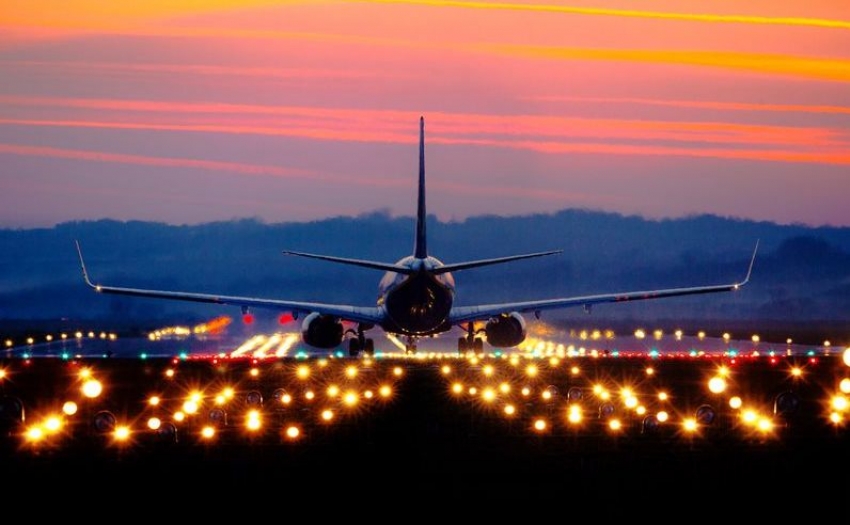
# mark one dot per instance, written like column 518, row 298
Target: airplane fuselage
column 417, row 303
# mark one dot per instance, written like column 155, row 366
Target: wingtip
column 752, row 262
column 83, row 264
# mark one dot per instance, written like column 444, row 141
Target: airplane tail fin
column 420, row 248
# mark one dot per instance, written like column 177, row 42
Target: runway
column 566, row 419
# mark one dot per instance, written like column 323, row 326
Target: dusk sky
column 188, row 111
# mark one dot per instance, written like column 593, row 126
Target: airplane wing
column 464, row 314
column 360, row 314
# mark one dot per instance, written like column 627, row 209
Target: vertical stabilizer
column 420, row 248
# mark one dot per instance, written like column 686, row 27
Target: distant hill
column 801, row 274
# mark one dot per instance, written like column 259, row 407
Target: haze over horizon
column 189, row 112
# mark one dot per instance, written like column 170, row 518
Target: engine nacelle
column 322, row 331
column 505, row 330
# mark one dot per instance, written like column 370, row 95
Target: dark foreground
column 426, row 441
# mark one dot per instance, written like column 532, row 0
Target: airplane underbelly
column 419, row 306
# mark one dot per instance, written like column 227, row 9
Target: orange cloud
column 628, row 13
column 701, row 104
column 835, row 69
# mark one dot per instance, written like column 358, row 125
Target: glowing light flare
column 662, row 416
column 253, row 421
column 735, row 402
column 327, row 414
column 332, row 391
column 179, row 416
column 386, row 391
column 540, row 425
column 190, row 407
column 34, row 434
column 488, row 394
column 52, row 424
column 509, row 409
column 208, row 432
column 487, row 370
column 69, row 408
column 531, row 370
column 839, row 403
column 351, row 398
column 716, row 385
column 844, row 385
column 615, row 425
column 446, row 370
column 302, row 372
column 92, row 388
column 153, row 401
column 764, row 425
column 690, row 425
column 351, row 372
column 398, row 371
column 121, row 433
column 292, row 432
column 574, row 414
column 749, row 417
column 846, row 356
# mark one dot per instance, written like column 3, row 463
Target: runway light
column 34, row 434
column 69, row 408
column 540, row 425
column 154, row 423
column 350, row 398
column 208, row 432
column 509, row 409
column 52, row 424
column 292, row 432
column 92, row 388
column 716, row 385
column 574, row 414
column 122, row 433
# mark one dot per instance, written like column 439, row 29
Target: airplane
column 416, row 298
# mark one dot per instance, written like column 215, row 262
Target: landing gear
column 470, row 343
column 410, row 347
column 360, row 343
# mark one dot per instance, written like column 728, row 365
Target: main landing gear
column 410, row 346
column 470, row 343
column 360, row 343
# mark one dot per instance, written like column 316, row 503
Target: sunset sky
column 188, row 111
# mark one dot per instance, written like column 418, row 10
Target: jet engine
column 322, row 331
column 505, row 330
